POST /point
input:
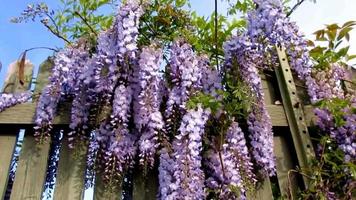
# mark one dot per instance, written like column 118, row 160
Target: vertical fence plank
column 294, row 112
column 7, row 147
column 9, row 137
column 284, row 164
column 32, row 165
column 268, row 90
column 101, row 192
column 12, row 83
column 145, row 187
column 71, row 172
column 31, row 170
column 263, row 191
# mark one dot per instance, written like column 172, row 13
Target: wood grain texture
column 8, row 137
column 263, row 191
column 12, row 82
column 268, row 89
column 7, row 147
column 145, row 187
column 101, row 192
column 284, row 164
column 32, row 165
column 31, row 169
column 71, row 172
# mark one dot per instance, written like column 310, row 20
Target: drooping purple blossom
column 344, row 135
column 268, row 26
column 165, row 176
column 9, row 100
column 210, row 78
column 116, row 148
column 241, row 52
column 148, row 118
column 184, row 75
column 126, row 33
column 188, row 176
column 229, row 169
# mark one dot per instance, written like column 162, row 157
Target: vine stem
column 57, row 33
column 300, row 2
column 86, row 22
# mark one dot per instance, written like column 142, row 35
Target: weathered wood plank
column 7, row 147
column 44, row 73
column 32, row 165
column 71, row 172
column 268, row 89
column 8, row 141
column 263, row 191
column 294, row 112
column 31, row 170
column 101, row 192
column 12, row 83
column 145, row 187
column 284, row 163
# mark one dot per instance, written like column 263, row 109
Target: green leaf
column 180, row 3
column 332, row 27
column 343, row 52
column 351, row 57
column 343, row 32
column 349, row 23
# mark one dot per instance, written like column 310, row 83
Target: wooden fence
column 290, row 119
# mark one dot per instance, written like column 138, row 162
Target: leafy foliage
column 332, row 48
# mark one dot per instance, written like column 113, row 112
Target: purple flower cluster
column 230, row 168
column 148, row 118
column 51, row 94
column 327, row 84
column 210, row 78
column 32, row 11
column 9, row 100
column 344, row 135
column 118, row 51
column 328, row 87
column 186, row 178
column 239, row 50
column 185, row 75
column 268, row 26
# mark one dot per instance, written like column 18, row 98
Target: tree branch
column 49, row 48
column 86, row 22
column 300, row 2
column 56, row 33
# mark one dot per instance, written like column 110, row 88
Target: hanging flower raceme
column 51, row 94
column 269, row 26
column 9, row 100
column 184, row 74
column 343, row 129
column 230, row 168
column 115, row 138
column 116, row 151
column 148, row 118
column 166, row 171
column 126, row 33
column 210, row 78
column 187, row 146
column 241, row 52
